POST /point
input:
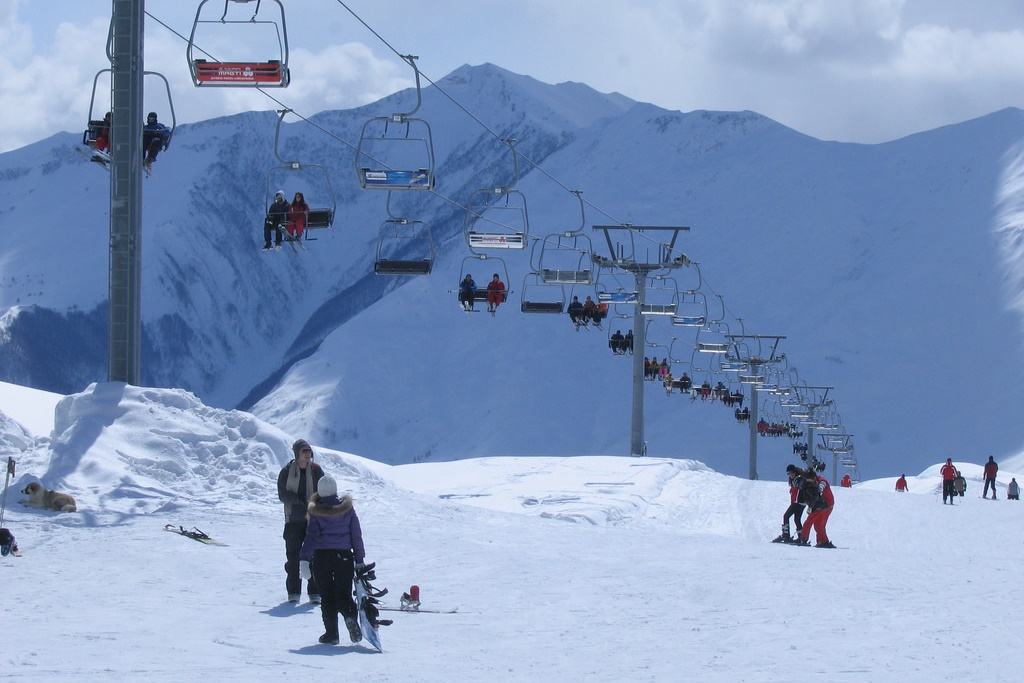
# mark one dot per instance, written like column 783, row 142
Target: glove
column 304, row 570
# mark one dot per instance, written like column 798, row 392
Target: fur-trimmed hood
column 329, row 506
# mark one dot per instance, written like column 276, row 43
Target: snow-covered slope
column 598, row 568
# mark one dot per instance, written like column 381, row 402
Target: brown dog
column 45, row 499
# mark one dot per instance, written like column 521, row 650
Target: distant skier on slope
column 948, row 473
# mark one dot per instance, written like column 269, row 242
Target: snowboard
column 195, row 534
column 367, row 601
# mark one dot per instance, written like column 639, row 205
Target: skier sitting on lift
column 277, row 216
column 467, row 292
column 495, row 293
column 576, row 314
column 154, row 139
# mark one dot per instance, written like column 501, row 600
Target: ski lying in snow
column 383, row 608
column 367, row 603
column 195, row 534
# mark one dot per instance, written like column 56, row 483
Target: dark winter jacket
column 333, row 525
column 295, row 487
column 991, row 469
column 278, row 213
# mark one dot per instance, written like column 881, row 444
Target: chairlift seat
column 566, row 277
column 497, row 240
column 658, row 309
column 541, row 306
column 92, row 133
column 480, row 295
column 617, row 297
column 266, row 74
column 420, row 179
column 751, row 379
column 400, row 267
column 713, row 347
column 689, row 320
column 319, row 218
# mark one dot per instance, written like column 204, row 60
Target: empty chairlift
column 404, row 247
column 244, row 41
column 660, row 297
column 397, row 152
column 692, row 310
column 567, row 257
column 497, row 217
column 539, row 296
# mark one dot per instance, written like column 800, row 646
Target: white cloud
column 863, row 70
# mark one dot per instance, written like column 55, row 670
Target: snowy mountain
column 595, row 568
column 891, row 270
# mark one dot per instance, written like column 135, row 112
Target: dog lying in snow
column 45, row 499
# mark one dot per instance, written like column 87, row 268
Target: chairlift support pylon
column 397, row 152
column 271, row 73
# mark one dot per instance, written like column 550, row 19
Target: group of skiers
column 810, row 490
column 954, row 484
column 589, row 311
column 495, row 293
column 323, row 542
column 284, row 217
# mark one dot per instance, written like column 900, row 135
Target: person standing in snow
column 331, row 551
column 795, row 509
column 991, row 468
column 296, row 484
column 948, row 473
column 901, row 484
column 817, row 495
column 959, row 483
column 1013, row 490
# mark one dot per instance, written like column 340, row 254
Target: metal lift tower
column 127, row 68
column 666, row 259
column 754, row 377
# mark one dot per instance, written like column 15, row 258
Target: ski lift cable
column 704, row 281
column 471, row 115
column 283, row 105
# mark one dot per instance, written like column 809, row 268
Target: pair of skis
column 193, row 533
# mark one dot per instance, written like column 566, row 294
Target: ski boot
column 783, row 538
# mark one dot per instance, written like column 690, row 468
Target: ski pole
column 7, row 479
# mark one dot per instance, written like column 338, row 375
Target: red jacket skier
column 818, row 496
column 495, row 293
column 948, row 473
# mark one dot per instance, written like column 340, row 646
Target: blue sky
column 850, row 70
